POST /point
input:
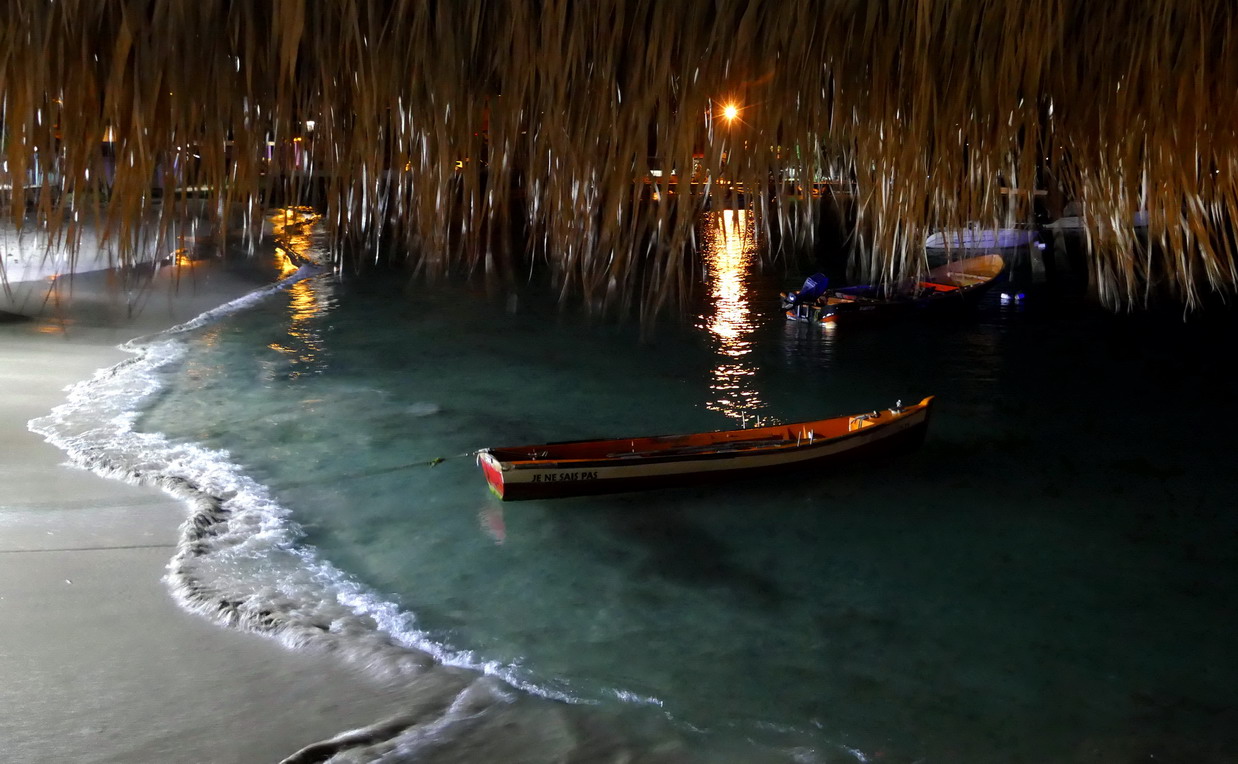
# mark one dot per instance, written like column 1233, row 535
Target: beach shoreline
column 111, row 651
column 97, row 660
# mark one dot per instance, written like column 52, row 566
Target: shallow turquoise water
column 1050, row 578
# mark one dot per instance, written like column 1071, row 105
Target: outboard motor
column 814, row 287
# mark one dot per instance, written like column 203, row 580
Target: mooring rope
column 383, row 470
column 430, row 463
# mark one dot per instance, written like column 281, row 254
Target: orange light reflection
column 293, row 229
column 728, row 250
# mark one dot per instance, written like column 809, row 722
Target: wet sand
column 97, row 662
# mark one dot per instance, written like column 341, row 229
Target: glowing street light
column 729, row 112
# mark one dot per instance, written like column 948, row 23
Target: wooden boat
column 955, row 284
column 583, row 467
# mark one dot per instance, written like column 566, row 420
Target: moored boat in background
column 1016, row 243
column 977, row 239
column 584, row 467
column 956, row 284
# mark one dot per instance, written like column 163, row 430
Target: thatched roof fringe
column 438, row 123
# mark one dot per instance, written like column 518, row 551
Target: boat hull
column 862, row 311
column 949, row 288
column 556, row 479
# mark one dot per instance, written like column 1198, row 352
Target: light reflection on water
column 304, row 346
column 291, row 227
column 728, row 251
column 809, row 345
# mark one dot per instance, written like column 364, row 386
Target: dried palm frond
column 484, row 135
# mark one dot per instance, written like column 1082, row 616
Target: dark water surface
column 1052, row 577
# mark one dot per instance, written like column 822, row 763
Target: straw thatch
column 445, row 131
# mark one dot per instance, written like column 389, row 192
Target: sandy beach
column 101, row 661
column 97, row 661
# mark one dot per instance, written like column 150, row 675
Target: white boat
column 1076, row 223
column 977, row 238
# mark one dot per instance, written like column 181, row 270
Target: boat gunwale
column 710, row 452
